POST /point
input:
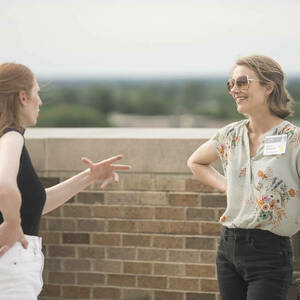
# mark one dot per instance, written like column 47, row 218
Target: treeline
column 89, row 103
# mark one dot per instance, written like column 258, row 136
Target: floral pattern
column 225, row 149
column 274, row 193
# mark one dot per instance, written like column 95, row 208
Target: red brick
column 216, row 200
column 61, row 251
column 200, row 243
column 51, row 290
column 77, row 265
column 76, row 238
column 55, row 213
column 213, row 229
column 193, row 185
column 168, row 242
column 200, row 270
column 138, row 212
column 49, row 181
column 107, row 239
column 90, row 278
column 107, row 266
column 121, row 280
column 122, row 226
column 90, row 197
column 184, row 256
column 161, row 295
column 200, row 296
column 61, row 277
column 184, row 199
column 153, row 227
column 137, row 294
column 79, row 211
column 209, row 285
column 53, row 264
column 107, row 212
column 121, row 253
column 107, row 293
column 152, row 282
column 90, row 225
column 50, row 237
column 137, row 268
column 44, row 223
column 152, row 254
column 76, row 292
column 169, row 213
column 184, row 227
column 185, row 284
column 137, row 240
column 90, row 252
column 202, row 214
column 61, row 224
column 208, row 257
column 169, row 269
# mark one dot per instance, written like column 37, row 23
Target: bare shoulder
column 11, row 143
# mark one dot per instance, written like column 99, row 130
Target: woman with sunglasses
column 23, row 198
column 261, row 161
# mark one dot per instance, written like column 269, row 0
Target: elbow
column 190, row 163
column 9, row 193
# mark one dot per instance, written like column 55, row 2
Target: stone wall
column 151, row 237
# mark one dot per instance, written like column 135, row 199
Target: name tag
column 275, row 144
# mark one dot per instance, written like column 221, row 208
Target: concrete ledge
column 57, row 151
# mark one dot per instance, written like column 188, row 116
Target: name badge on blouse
column 275, row 144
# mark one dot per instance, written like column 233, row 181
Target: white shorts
column 21, row 271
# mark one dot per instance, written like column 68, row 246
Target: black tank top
column 32, row 192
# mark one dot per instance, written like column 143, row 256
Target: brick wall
column 153, row 237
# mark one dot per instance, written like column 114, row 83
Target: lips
column 240, row 99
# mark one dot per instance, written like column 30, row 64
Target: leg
column 231, row 284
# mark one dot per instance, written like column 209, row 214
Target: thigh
column 231, row 284
column 21, row 274
column 269, row 270
column 268, row 289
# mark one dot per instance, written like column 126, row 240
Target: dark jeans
column 253, row 264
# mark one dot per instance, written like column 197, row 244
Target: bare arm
column 11, row 145
column 199, row 163
column 103, row 171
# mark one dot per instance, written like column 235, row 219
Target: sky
column 147, row 38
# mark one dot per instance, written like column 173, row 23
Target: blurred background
column 145, row 63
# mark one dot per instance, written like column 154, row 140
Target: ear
column 269, row 89
column 22, row 97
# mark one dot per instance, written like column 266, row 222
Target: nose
column 234, row 89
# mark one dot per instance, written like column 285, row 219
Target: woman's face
column 31, row 106
column 252, row 98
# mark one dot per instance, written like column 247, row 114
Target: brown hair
column 269, row 72
column 13, row 79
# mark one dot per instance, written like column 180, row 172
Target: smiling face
column 30, row 106
column 252, row 99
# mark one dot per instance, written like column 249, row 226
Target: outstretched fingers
column 121, row 167
column 88, row 162
column 113, row 159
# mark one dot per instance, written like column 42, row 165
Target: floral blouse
column 262, row 191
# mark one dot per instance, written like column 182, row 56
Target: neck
column 260, row 124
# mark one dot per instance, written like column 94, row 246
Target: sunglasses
column 241, row 82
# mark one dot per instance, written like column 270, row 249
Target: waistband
column 34, row 241
column 244, row 233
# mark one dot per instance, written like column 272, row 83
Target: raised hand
column 105, row 170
